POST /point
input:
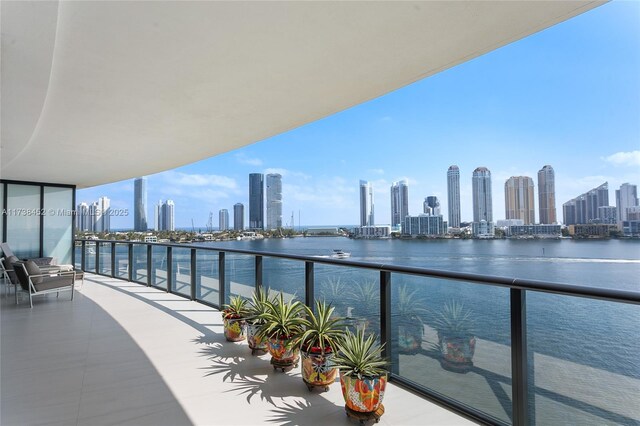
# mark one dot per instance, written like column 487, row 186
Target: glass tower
column 274, row 201
column 482, row 200
column 223, row 219
column 238, row 217
column 256, row 201
column 140, row 204
column 547, row 196
column 453, row 196
column 399, row 202
column 366, row 204
column 519, row 199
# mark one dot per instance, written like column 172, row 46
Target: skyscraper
column 82, row 217
column 165, row 216
column 584, row 208
column 399, row 202
column 102, row 215
column 431, row 206
column 140, row 204
column 519, row 199
column 366, row 204
column 547, row 196
column 274, row 201
column 223, row 219
column 482, row 200
column 238, row 217
column 453, row 196
column 626, row 196
column 256, row 201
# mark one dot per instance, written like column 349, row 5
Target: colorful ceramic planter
column 363, row 395
column 409, row 338
column 457, row 352
column 280, row 353
column 255, row 343
column 235, row 329
column 317, row 369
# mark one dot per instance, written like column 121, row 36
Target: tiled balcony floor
column 121, row 353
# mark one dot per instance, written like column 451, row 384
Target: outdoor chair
column 7, row 274
column 36, row 282
column 40, row 261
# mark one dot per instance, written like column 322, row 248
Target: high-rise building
column 256, row 201
column 101, row 215
column 519, row 199
column 547, row 196
column 165, row 216
column 274, row 201
column 157, row 216
column 431, row 206
column 453, row 196
column 140, row 204
column 82, row 217
column 584, row 209
column 366, row 204
column 238, row 217
column 223, row 219
column 482, row 199
column 399, row 202
column 626, row 196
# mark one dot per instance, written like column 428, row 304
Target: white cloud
column 184, row 179
column 243, row 159
column 631, row 158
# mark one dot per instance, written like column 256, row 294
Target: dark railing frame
column 522, row 405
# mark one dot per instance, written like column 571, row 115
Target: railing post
column 113, row 260
column 97, row 262
column 169, row 269
column 194, row 269
column 83, row 255
column 221, row 280
column 258, row 282
column 385, row 320
column 130, row 261
column 309, row 284
column 519, row 365
column 149, row 268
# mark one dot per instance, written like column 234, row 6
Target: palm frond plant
column 234, row 316
column 318, row 343
column 408, row 312
column 363, row 376
column 456, row 340
column 283, row 321
column 256, row 308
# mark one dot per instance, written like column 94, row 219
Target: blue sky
column 568, row 96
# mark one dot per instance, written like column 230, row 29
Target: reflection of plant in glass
column 455, row 320
column 333, row 291
column 408, row 310
column 366, row 298
column 456, row 341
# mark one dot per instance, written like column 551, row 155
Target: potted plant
column 365, row 297
column 256, row 308
column 234, row 319
column 318, row 345
column 408, row 312
column 363, row 376
column 282, row 323
column 456, row 340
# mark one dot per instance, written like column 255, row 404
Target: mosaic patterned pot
column 457, row 352
column 280, row 353
column 364, row 396
column 409, row 338
column 317, row 369
column 235, row 329
column 255, row 343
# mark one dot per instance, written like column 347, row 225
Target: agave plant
column 408, row 311
column 237, row 308
column 456, row 340
column 322, row 330
column 281, row 319
column 454, row 320
column 360, row 356
column 366, row 296
column 257, row 306
column 333, row 291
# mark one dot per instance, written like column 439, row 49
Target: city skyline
column 543, row 96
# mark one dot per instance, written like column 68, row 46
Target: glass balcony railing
column 479, row 345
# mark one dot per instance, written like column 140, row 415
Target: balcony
column 138, row 347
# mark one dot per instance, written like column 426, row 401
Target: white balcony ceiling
column 99, row 91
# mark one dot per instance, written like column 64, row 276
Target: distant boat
column 339, row 254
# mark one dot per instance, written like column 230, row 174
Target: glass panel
column 1, row 208
column 454, row 338
column 585, row 368
column 122, row 261
column 105, row 258
column 140, row 263
column 283, row 275
column 90, row 256
column 159, row 266
column 23, row 220
column 58, row 224
column 354, row 292
column 207, row 276
column 181, row 264
column 78, row 255
column 240, row 275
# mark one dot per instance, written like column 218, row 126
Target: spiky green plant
column 366, row 297
column 257, row 306
column 281, row 319
column 454, row 319
column 410, row 305
column 360, row 356
column 237, row 308
column 321, row 329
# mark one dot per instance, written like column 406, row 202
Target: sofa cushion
column 59, row 281
column 33, row 269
